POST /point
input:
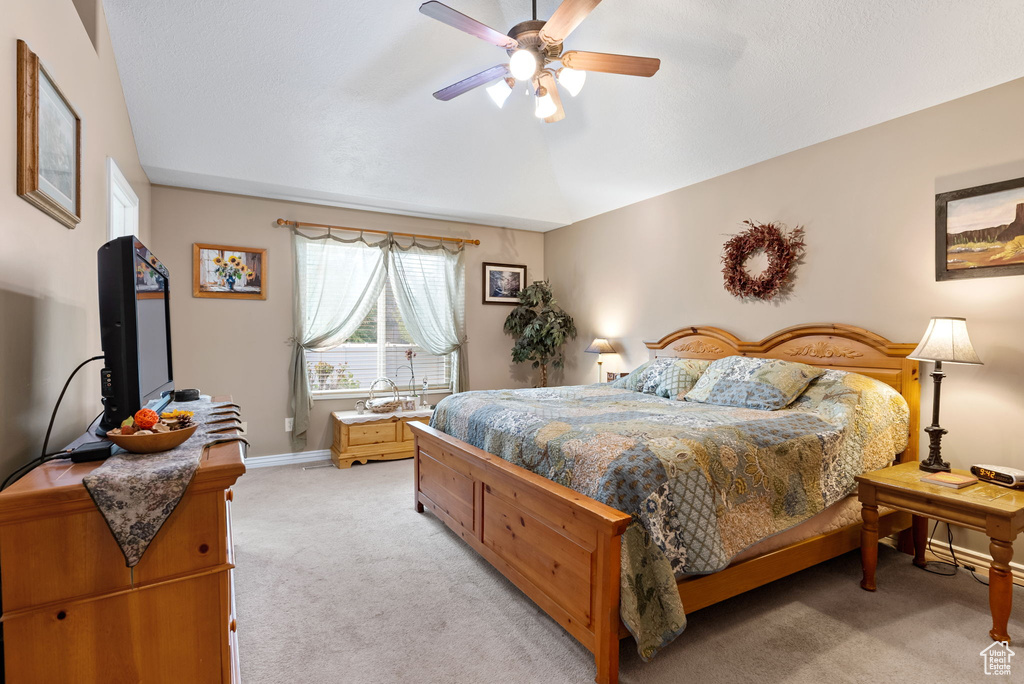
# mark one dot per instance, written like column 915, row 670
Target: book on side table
column 953, row 480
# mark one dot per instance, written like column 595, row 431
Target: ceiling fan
column 532, row 45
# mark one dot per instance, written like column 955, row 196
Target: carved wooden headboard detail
column 829, row 345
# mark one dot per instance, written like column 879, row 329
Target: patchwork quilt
column 702, row 482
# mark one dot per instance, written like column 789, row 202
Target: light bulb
column 545, row 106
column 499, row 92
column 572, row 79
column 523, row 65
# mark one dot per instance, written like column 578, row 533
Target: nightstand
column 362, row 437
column 994, row 510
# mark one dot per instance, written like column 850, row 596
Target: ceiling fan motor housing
column 527, row 34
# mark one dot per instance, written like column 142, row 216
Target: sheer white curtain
column 429, row 285
column 337, row 282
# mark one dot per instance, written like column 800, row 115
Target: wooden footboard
column 559, row 547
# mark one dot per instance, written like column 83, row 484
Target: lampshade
column 600, row 346
column 946, row 340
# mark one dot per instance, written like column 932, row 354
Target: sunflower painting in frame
column 229, row 272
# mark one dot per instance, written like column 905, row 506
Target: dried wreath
column 783, row 252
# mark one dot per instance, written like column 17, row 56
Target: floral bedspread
column 702, row 482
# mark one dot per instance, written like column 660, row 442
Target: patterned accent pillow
column 680, row 378
column 766, row 384
column 633, row 380
column 645, row 378
column 653, row 375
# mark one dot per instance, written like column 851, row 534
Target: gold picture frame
column 49, row 143
column 214, row 275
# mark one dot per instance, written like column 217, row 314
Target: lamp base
column 940, row 467
column 934, row 462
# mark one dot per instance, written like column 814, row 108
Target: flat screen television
column 135, row 331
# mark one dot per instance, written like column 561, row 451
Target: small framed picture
column 612, row 377
column 49, row 143
column 229, row 272
column 979, row 231
column 502, row 283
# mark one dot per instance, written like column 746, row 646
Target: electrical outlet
column 289, row 424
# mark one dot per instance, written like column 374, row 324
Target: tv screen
column 135, row 329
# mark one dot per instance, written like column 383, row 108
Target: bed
column 565, row 549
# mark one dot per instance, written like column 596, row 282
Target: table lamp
column 600, row 346
column 945, row 340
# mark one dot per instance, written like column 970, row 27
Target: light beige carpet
column 339, row 580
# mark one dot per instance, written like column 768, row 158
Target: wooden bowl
column 149, row 444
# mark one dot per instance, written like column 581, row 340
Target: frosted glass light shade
column 946, row 340
column 572, row 80
column 523, row 65
column 499, row 92
column 545, row 106
column 600, row 346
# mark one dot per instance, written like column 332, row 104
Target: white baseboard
column 288, row 459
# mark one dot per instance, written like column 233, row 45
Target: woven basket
column 380, row 404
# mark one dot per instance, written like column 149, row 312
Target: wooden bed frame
column 562, row 548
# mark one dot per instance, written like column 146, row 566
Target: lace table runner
column 136, row 493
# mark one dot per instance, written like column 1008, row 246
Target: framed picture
column 49, row 143
column 502, row 283
column 979, row 232
column 229, row 272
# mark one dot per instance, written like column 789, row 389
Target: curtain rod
column 300, row 224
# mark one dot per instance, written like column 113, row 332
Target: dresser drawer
column 372, row 433
column 407, row 435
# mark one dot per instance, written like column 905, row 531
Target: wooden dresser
column 73, row 612
column 373, row 436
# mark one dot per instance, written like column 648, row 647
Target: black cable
column 53, row 416
column 953, row 565
column 43, row 455
column 956, row 563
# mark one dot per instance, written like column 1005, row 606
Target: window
column 377, row 349
column 122, row 203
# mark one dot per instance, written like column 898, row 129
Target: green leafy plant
column 541, row 329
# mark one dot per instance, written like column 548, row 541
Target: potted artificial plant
column 541, row 329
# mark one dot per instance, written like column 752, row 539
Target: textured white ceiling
column 330, row 101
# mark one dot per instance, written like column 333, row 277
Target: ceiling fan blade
column 547, row 80
column 474, row 81
column 445, row 14
column 565, row 19
column 611, row 64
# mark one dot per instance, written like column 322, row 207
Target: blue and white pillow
column 766, row 384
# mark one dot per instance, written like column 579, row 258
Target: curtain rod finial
column 281, row 222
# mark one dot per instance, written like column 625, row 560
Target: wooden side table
column 996, row 511
column 362, row 437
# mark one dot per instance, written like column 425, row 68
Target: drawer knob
column 230, row 495
column 203, row 548
column 61, row 615
column 234, row 625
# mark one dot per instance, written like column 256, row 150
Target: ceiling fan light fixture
column 545, row 104
column 523, row 65
column 572, row 79
column 499, row 92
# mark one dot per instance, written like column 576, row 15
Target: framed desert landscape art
column 502, row 283
column 979, row 232
column 49, row 143
column 229, row 272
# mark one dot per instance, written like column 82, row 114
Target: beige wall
column 242, row 348
column 49, row 320
column 867, row 200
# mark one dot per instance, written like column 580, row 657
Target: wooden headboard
column 829, row 345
